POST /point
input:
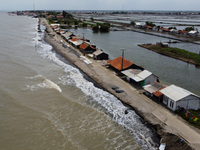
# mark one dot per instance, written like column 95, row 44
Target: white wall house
column 193, row 33
column 175, row 96
column 143, row 77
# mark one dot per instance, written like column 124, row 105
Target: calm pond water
column 170, row 71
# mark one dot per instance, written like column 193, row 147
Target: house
column 142, row 77
column 175, row 97
column 138, row 25
column 153, row 90
column 77, row 43
column 183, row 32
column 165, row 30
column 148, row 27
column 67, row 35
column 100, row 55
column 86, row 49
column 174, row 31
column 71, row 41
column 193, row 33
column 120, row 65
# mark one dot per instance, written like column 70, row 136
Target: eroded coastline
column 103, row 76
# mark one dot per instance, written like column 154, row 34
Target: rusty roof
column 165, row 29
column 150, row 27
column 74, row 39
column 83, row 46
column 183, row 31
column 117, row 63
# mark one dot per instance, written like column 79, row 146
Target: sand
column 170, row 127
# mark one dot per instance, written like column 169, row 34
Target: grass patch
column 178, row 53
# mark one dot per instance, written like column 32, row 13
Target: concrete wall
column 150, row 79
column 189, row 102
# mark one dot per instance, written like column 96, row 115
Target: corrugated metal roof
column 192, row 32
column 98, row 52
column 154, row 88
column 137, row 76
column 176, row 93
column 67, row 35
column 79, row 42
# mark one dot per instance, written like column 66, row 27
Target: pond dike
column 169, row 36
column 171, row 129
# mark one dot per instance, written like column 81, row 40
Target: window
column 171, row 104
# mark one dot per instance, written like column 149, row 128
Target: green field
column 179, row 53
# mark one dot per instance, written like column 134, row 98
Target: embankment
column 169, row 36
column 163, row 122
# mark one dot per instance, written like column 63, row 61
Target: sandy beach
column 170, row 127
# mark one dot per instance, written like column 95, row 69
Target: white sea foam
column 111, row 104
column 42, row 82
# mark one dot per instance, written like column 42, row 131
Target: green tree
column 92, row 19
column 132, row 23
column 189, row 28
column 95, row 28
column 150, row 24
column 172, row 28
column 76, row 22
column 64, row 13
column 104, row 28
column 84, row 24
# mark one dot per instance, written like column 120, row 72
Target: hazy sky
column 100, row 4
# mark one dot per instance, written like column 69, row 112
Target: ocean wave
column 42, row 82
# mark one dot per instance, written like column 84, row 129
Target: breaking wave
column 42, row 82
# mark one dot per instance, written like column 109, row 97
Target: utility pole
column 122, row 49
column 83, row 35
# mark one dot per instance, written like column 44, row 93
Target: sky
column 100, row 5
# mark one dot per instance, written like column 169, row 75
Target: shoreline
column 151, row 112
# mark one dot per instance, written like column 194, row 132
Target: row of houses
column 166, row 30
column 172, row 96
column 79, row 42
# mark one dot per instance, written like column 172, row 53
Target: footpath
column 174, row 131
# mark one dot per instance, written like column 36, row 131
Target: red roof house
column 117, row 64
column 87, row 49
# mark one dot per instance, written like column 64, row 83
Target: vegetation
column 172, row 28
column 92, row 19
column 189, row 29
column 132, row 22
column 95, row 28
column 150, row 24
column 179, row 53
column 102, row 27
column 190, row 117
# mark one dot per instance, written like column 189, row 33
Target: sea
column 48, row 104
